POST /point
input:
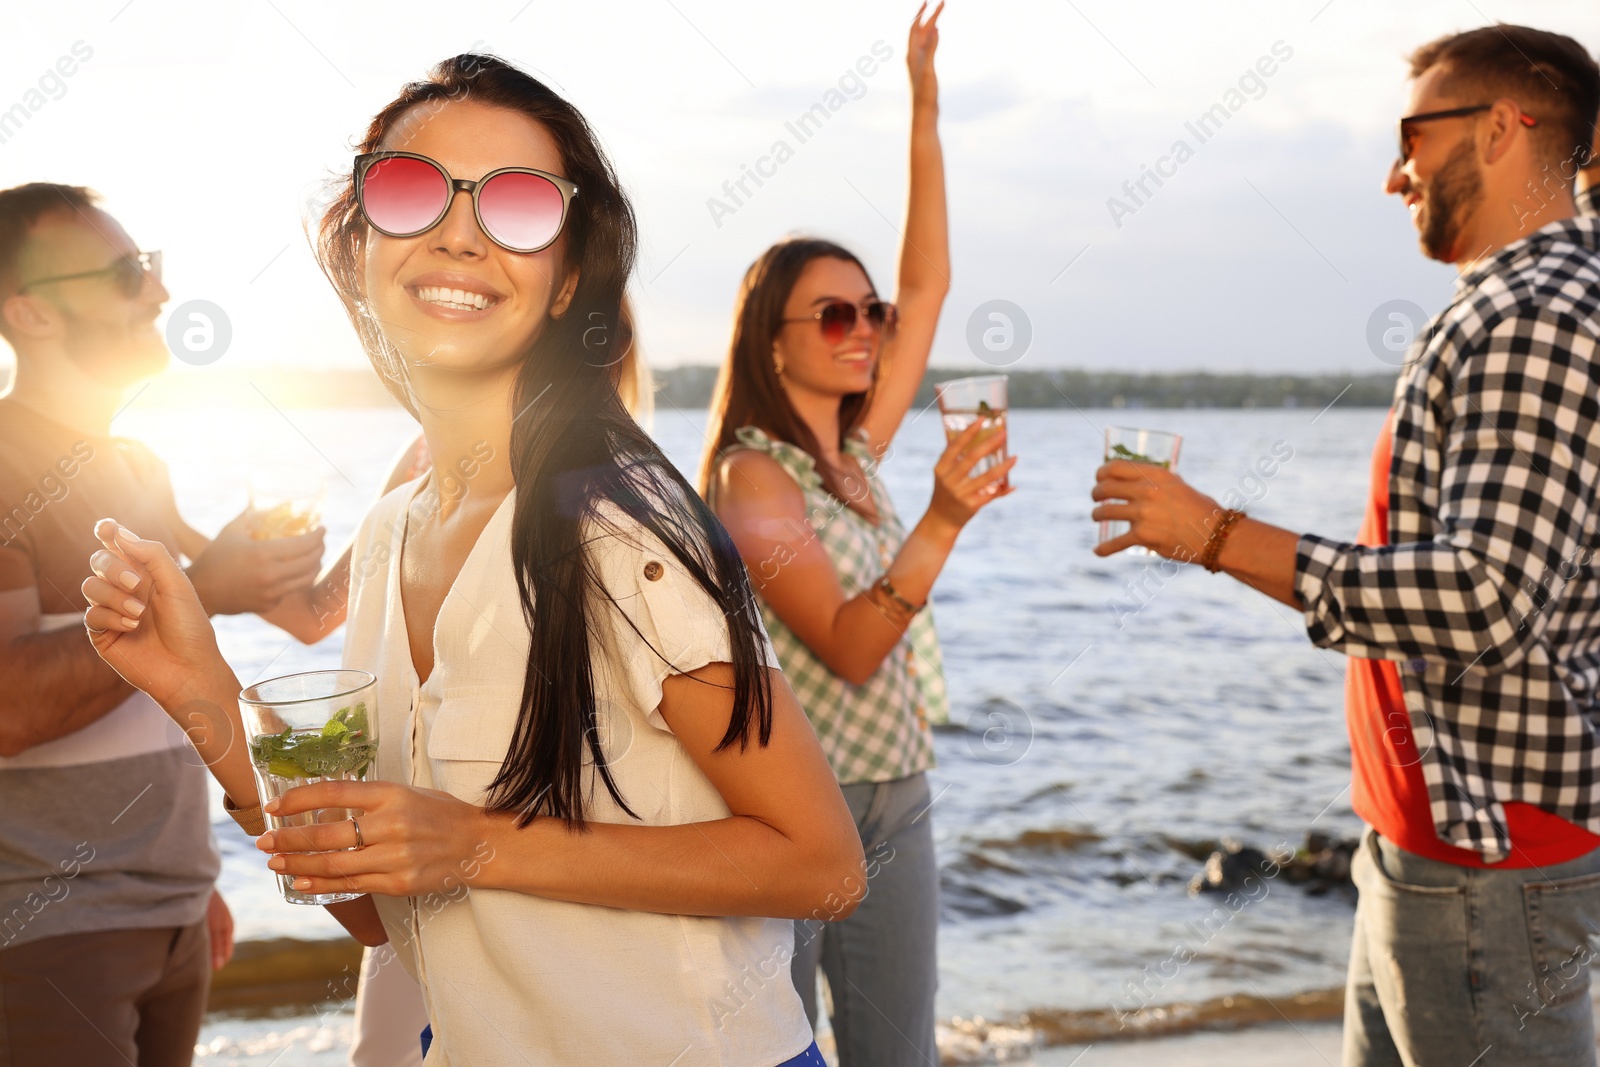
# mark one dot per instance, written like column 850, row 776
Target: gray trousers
column 1451, row 966
column 882, row 962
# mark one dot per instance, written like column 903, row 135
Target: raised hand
column 145, row 618
column 923, row 274
column 924, row 40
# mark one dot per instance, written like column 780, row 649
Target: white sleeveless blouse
column 511, row 978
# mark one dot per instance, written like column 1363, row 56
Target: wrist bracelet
column 250, row 820
column 1219, row 534
column 898, row 602
column 892, row 612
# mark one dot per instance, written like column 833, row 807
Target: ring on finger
column 357, row 828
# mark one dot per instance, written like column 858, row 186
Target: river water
column 1108, row 715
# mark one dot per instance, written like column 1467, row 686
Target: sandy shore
column 1263, row 1046
column 254, row 1020
column 309, row 1041
column 269, row 977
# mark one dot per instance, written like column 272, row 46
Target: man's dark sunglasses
column 129, row 272
column 838, row 319
column 1450, row 113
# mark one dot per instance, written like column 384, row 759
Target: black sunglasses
column 403, row 194
column 129, row 272
column 838, row 319
column 1450, row 113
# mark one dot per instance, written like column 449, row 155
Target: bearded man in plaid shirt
column 1470, row 603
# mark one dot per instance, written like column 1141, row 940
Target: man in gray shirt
column 107, row 863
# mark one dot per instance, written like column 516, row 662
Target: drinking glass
column 311, row 727
column 285, row 504
column 963, row 401
column 1155, row 447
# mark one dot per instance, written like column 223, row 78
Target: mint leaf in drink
column 270, row 752
column 1121, row 451
column 342, row 747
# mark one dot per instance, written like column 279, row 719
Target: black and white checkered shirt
column 1589, row 199
column 1488, row 592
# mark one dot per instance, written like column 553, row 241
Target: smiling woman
column 581, row 715
column 819, row 375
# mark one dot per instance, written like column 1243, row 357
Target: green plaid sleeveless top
column 877, row 731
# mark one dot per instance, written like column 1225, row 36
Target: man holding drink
column 1472, row 596
column 109, row 922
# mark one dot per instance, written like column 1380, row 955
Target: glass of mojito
column 285, row 504
column 1155, row 447
column 963, row 401
column 305, row 728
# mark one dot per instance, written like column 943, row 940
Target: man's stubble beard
column 102, row 351
column 1448, row 198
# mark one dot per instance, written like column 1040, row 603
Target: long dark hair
column 574, row 448
column 748, row 392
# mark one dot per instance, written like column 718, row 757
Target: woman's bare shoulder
column 747, row 475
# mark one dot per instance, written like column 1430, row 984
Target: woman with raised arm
column 819, row 375
column 581, row 719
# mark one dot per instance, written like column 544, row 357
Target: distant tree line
column 690, row 387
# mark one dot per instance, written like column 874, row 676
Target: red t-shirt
column 1386, row 785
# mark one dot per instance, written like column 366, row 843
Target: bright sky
column 207, row 126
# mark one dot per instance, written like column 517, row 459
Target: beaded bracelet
column 1219, row 534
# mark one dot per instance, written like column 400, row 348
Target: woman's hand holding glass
column 413, row 841
column 958, row 493
column 147, row 622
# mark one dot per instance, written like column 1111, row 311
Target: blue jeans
column 882, row 962
column 811, row 1057
column 1457, row 965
